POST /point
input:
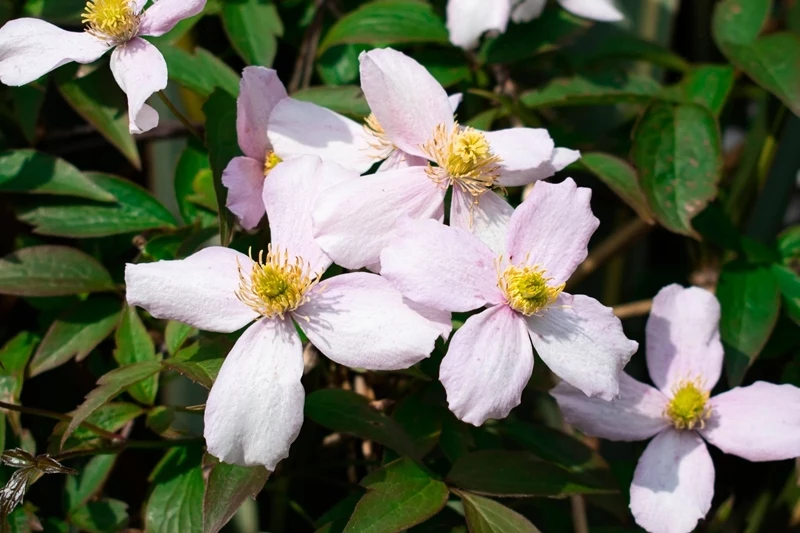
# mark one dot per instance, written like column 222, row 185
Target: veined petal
column 683, row 340
column 582, row 342
column 244, row 179
column 760, row 422
column 360, row 321
column 673, row 483
column 602, row 10
column 525, row 154
column 527, row 10
column 255, row 408
column 199, row 290
column 353, row 220
column 407, row 101
column 487, row 219
column 163, row 15
column 637, row 414
column 554, row 226
column 467, row 20
column 30, row 48
column 140, row 71
column 399, row 159
column 440, row 266
column 259, row 92
column 487, row 365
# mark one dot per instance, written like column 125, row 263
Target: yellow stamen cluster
column 689, row 405
column 114, row 20
column 271, row 161
column 276, row 285
column 378, row 140
column 526, row 289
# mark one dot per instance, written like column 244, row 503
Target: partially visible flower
column 490, row 360
column 352, row 220
column 674, row 481
column 467, row 20
column 30, row 48
column 255, row 408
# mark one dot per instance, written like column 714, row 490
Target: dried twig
column 633, row 309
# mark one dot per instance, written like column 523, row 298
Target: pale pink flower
column 490, row 359
column 674, row 481
column 467, row 20
column 30, row 48
column 255, row 408
column 352, row 221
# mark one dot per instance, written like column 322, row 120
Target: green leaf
column 83, row 487
column 175, row 504
column 789, row 243
column 55, row 11
column 387, row 22
column 253, row 27
column 14, row 357
column 705, row 85
column 110, row 417
column 101, row 516
column 621, row 178
column 28, row 100
column 339, row 65
column 399, row 495
column 200, row 361
column 420, row 415
column 789, row 283
column 193, row 163
column 595, row 89
column 447, row 65
column 677, row 152
column 52, row 271
column 176, row 334
column 750, row 300
column 134, row 345
column 221, row 139
column 227, row 487
column 201, row 71
column 487, row 516
column 76, row 332
column 345, row 99
column 348, row 412
column 29, row 171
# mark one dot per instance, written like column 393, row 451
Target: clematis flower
column 490, row 359
column 30, row 48
column 255, row 408
column 467, row 20
column 352, row 220
column 674, row 481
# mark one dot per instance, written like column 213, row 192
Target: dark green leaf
column 345, row 99
column 421, row 417
column 597, row 89
column 446, row 65
column 705, row 85
column 789, row 283
column 227, row 487
column 83, row 487
column 101, row 516
column 110, row 417
column 339, row 64
column 60, row 11
column 14, row 357
column 621, row 178
column 487, row 516
column 28, row 100
column 201, row 72
column 52, row 271
column 200, row 361
column 193, row 162
column 175, row 504
column 789, row 243
column 134, row 345
column 221, row 138
column 253, row 27
column 176, row 334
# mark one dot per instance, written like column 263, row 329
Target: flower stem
column 633, row 309
column 126, row 445
column 62, row 417
column 180, row 116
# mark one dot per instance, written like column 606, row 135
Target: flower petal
column 554, row 226
column 440, row 266
column 683, row 338
column 360, row 321
column 259, row 92
column 163, row 15
column 399, row 159
column 302, row 128
column 199, row 290
column 30, row 48
column 488, row 219
column 255, row 408
column 525, row 154
column 636, row 415
column 760, row 422
column 602, row 10
column 353, row 220
column 141, row 71
column 407, row 101
column 441, row 320
column 673, row 483
column 487, row 366
column 455, row 100
column 582, row 342
column 244, row 179
column 527, row 10
column 467, row 20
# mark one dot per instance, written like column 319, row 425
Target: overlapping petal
column 487, row 218
column 163, row 15
column 141, row 71
column 467, row 20
column 525, row 154
column 244, row 179
column 259, row 92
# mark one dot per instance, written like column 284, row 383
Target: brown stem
column 131, row 444
column 633, row 309
column 59, row 416
column 180, row 116
column 303, row 67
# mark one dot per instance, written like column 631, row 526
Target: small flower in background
column 467, row 20
column 490, row 359
column 673, row 484
column 30, row 48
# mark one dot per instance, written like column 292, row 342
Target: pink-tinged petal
column 488, row 219
column 440, row 266
column 163, row 15
column 602, row 10
column 244, row 179
column 582, row 342
column 30, row 48
column 673, row 483
column 760, row 422
column 455, row 100
column 407, row 101
column 637, row 414
column 199, row 290
column 259, row 92
column 360, row 321
column 467, row 20
column 399, row 159
column 527, row 10
column 138, row 5
column 564, row 157
column 301, row 128
column 141, row 71
column 525, row 154
column 487, row 365
column 441, row 320
column 353, row 221
column 255, row 408
column 553, row 225
column 683, row 338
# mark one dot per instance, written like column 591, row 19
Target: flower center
column 689, row 405
column 114, row 20
column 378, row 140
column 526, row 289
column 276, row 285
column 271, row 161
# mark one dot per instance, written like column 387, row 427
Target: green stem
column 128, row 445
column 62, row 417
column 180, row 116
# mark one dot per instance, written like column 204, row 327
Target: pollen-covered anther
column 271, row 161
column 277, row 283
column 377, row 138
column 527, row 289
column 113, row 20
column 689, row 406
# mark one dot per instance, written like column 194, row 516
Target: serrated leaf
column 253, row 27
column 134, row 345
column 175, row 335
column 621, row 178
column 175, row 504
column 596, row 89
column 14, row 357
column 705, row 85
column 201, row 71
column 488, row 516
column 111, row 417
column 227, row 487
column 200, row 361
column 221, row 139
column 345, row 99
column 52, row 271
